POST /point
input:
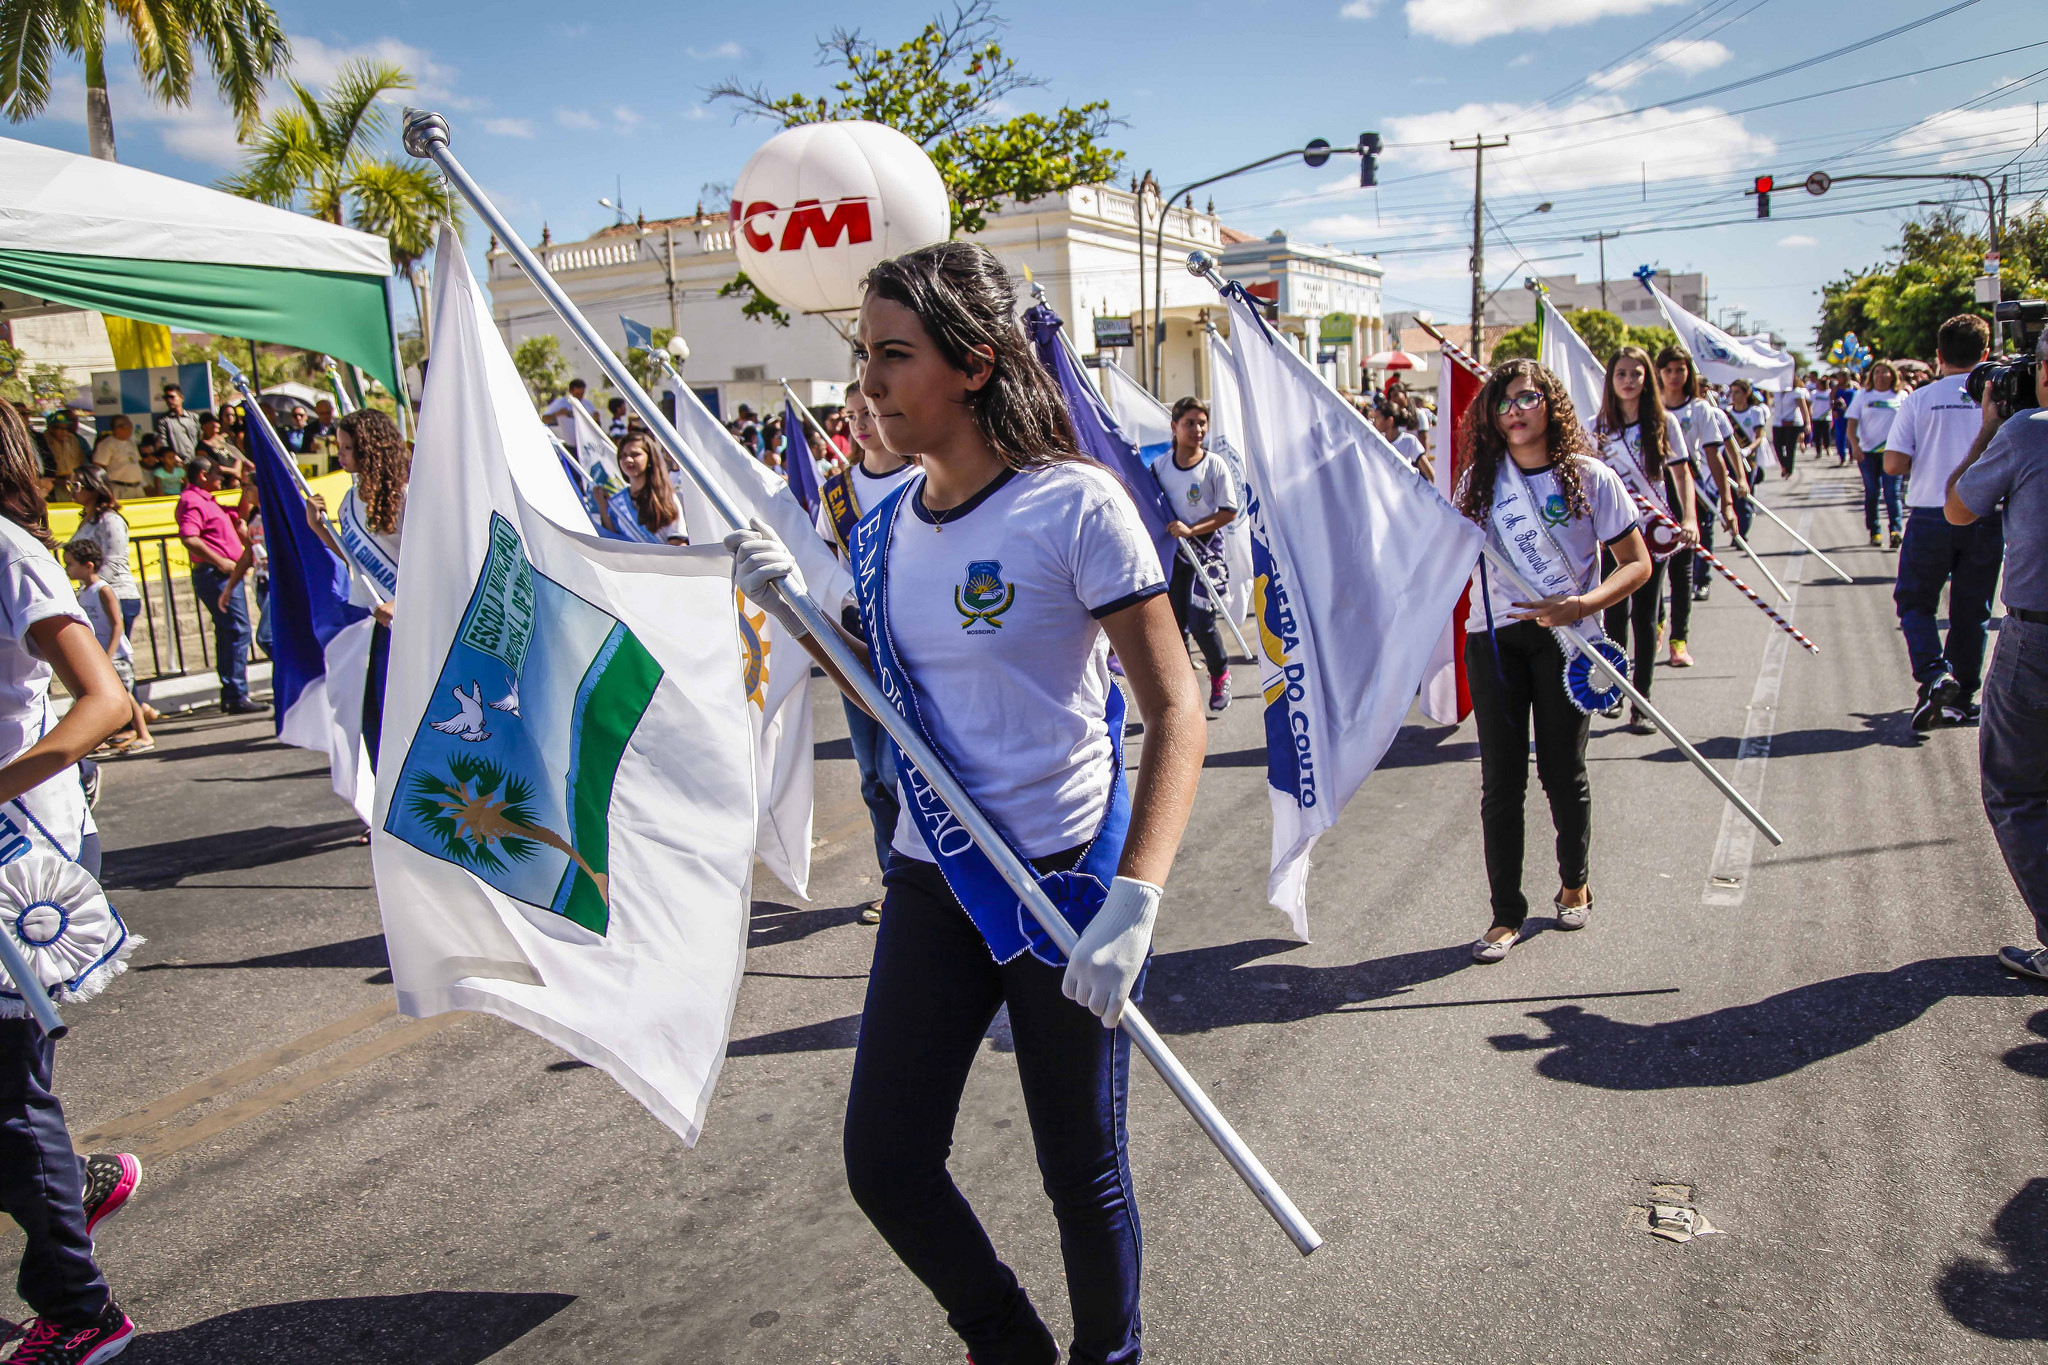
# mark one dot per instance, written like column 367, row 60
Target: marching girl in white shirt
column 992, row 587
column 368, row 446
column 1529, row 470
column 1871, row 414
column 1696, row 463
column 646, row 509
column 1641, row 442
column 55, row 1195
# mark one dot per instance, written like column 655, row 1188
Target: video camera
column 2010, row 378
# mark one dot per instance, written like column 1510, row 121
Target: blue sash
column 626, row 519
column 1008, row 928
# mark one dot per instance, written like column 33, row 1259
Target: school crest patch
column 984, row 597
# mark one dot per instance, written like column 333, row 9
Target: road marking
column 153, row 1117
column 1728, row 873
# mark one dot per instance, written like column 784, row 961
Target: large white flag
column 1144, row 418
column 565, row 792
column 1356, row 562
column 1565, row 354
column 778, row 681
column 1722, row 357
column 595, row 453
column 1226, row 438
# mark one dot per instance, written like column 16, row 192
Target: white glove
column 760, row 559
column 1105, row 963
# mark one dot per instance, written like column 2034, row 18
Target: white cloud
column 627, row 118
column 509, row 127
column 724, row 52
column 316, row 64
column 577, row 119
column 1468, row 21
column 1688, row 58
column 1797, row 239
column 1675, row 144
column 1524, row 59
column 1964, row 134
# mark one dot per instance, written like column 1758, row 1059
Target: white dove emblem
column 467, row 723
column 510, row 701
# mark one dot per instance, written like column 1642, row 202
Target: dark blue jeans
column 874, row 753
column 1876, row 481
column 230, row 633
column 42, row 1181
column 2012, row 755
column 932, row 994
column 1966, row 559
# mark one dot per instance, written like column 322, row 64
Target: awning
column 84, row 233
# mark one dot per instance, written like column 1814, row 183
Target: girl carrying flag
column 992, row 587
column 646, row 509
column 1642, row 442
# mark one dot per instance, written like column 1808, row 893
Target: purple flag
column 796, row 458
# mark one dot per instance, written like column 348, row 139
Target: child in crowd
column 82, row 560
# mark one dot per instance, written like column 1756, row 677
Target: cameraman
column 2008, row 464
column 1930, row 437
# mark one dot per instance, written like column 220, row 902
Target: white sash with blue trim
column 1520, row 528
column 379, row 567
column 1006, row 926
column 625, row 519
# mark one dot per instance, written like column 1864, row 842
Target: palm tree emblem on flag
column 985, row 597
column 523, row 802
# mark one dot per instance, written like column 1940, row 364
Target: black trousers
column 1199, row 622
column 1526, row 678
column 1635, row 613
column 1785, row 439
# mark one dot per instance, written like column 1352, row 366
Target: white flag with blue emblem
column 1721, row 356
column 565, row 792
column 1356, row 563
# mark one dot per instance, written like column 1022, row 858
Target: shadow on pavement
column 367, row 951
column 1416, row 746
column 2009, row 1302
column 1888, row 731
column 829, row 1036
column 774, row 923
column 2031, row 1059
column 1745, row 1044
column 438, row 1328
column 155, row 867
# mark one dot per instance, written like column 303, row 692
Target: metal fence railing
column 174, row 634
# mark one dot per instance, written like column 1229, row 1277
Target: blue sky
column 553, row 106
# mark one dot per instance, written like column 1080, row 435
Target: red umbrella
column 1394, row 360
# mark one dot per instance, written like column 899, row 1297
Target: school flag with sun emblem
column 564, row 823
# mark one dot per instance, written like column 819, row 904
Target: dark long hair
column 1484, row 447
column 1673, row 354
column 1649, row 411
column 383, row 467
column 656, row 501
column 21, row 490
column 959, row 292
column 92, row 478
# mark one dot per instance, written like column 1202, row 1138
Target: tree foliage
column 539, row 362
column 41, row 386
column 1896, row 307
column 1603, row 332
column 321, row 155
column 756, row 304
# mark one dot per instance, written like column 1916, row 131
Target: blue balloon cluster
column 1848, row 353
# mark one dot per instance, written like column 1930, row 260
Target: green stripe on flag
column 616, row 692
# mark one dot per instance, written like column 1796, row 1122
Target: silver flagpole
column 40, row 1006
column 810, row 418
column 426, row 137
column 341, row 398
column 256, row 414
column 1203, row 264
column 1761, row 567
column 1811, row 548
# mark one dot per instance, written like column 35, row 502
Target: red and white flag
column 1445, row 697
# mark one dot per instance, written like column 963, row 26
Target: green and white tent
column 81, row 233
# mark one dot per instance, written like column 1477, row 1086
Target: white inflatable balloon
column 818, row 205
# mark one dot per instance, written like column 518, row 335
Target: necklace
column 938, row 517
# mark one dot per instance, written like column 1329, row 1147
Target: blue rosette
column 1588, row 688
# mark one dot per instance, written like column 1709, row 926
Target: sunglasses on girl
column 1525, row 401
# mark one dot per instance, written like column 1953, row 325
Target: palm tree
column 319, row 154
column 482, row 815
column 241, row 40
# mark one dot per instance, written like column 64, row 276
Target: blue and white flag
column 796, row 458
column 1721, row 356
column 564, row 832
column 639, row 336
column 1356, row 563
column 1144, row 418
column 319, row 643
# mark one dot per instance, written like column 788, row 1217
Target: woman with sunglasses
column 1639, row 441
column 1523, row 445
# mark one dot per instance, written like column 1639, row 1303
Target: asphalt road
column 1819, row 1046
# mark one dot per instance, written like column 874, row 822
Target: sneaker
column 49, row 1343
column 871, row 913
column 1219, row 693
column 1963, row 713
column 1484, row 950
column 110, row 1177
column 1573, row 916
column 1876, row 539
column 1681, row 657
column 1699, row 593
column 1612, row 712
column 1935, row 697
column 1897, row 539
column 2026, row 961
column 1638, row 724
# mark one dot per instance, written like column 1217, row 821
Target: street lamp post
column 1314, row 154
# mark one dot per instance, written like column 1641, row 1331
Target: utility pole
column 1603, row 238
column 675, row 322
column 1478, row 147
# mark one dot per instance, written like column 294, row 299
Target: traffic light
column 1368, row 160
column 1762, row 191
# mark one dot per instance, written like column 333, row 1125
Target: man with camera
column 1928, row 440
column 2007, row 468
